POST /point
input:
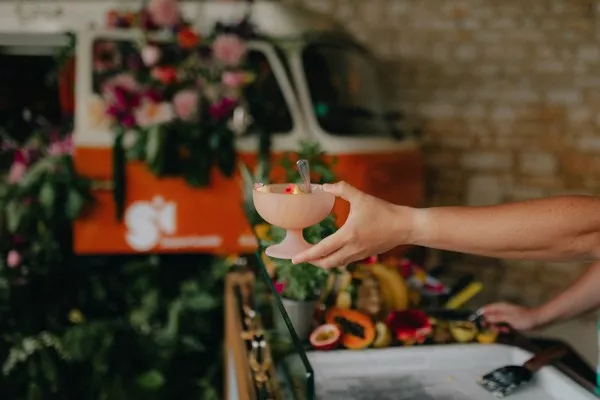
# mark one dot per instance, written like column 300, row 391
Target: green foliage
column 101, row 327
column 303, row 281
column 321, row 168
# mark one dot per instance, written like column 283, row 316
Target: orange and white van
column 322, row 85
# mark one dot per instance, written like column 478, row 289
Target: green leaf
column 47, row 197
column 151, row 380
column 201, row 302
column 34, row 176
column 75, row 203
column 34, row 392
column 14, row 215
column 193, row 343
column 153, row 144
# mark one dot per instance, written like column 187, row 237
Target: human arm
column 558, row 228
column 582, row 296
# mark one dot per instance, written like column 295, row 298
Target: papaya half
column 358, row 330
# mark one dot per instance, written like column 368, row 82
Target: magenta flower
column 13, row 259
column 222, row 109
column 280, row 287
column 229, row 49
column 122, row 95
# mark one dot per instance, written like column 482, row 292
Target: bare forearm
column 558, row 228
column 582, row 296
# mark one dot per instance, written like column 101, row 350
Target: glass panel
column 345, row 91
column 295, row 377
column 265, row 96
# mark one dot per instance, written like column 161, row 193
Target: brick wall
column 506, row 93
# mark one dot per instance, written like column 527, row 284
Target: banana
column 393, row 286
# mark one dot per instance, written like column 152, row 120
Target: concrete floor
column 581, row 334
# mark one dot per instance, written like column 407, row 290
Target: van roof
column 274, row 19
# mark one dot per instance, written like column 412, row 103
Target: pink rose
column 17, row 171
column 13, row 259
column 150, row 55
column 229, row 49
column 60, row 147
column 235, row 79
column 124, row 81
column 164, row 13
column 185, row 104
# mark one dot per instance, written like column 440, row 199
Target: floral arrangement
column 170, row 97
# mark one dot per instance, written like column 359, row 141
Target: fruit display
column 373, row 289
column 376, row 305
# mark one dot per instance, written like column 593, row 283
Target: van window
column 345, row 91
column 24, row 86
column 265, row 97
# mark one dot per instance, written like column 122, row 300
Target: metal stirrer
column 304, row 169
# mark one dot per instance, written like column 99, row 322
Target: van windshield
column 345, row 91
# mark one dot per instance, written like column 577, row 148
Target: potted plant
column 300, row 285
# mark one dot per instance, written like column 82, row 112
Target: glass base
column 293, row 244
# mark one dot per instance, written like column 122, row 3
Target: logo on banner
column 148, row 221
column 152, row 224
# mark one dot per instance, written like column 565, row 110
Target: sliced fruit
column 488, row 336
column 358, row 330
column 463, row 332
column 383, row 336
column 325, row 337
column 292, row 189
column 410, row 326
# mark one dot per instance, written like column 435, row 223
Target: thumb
column 343, row 190
column 495, row 308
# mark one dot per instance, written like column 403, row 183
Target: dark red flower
column 409, row 326
column 222, row 109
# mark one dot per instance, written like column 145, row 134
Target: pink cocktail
column 292, row 212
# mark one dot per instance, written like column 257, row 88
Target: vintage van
column 325, row 86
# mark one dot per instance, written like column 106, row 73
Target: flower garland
column 170, row 100
column 42, row 191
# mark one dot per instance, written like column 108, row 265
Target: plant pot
column 301, row 315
